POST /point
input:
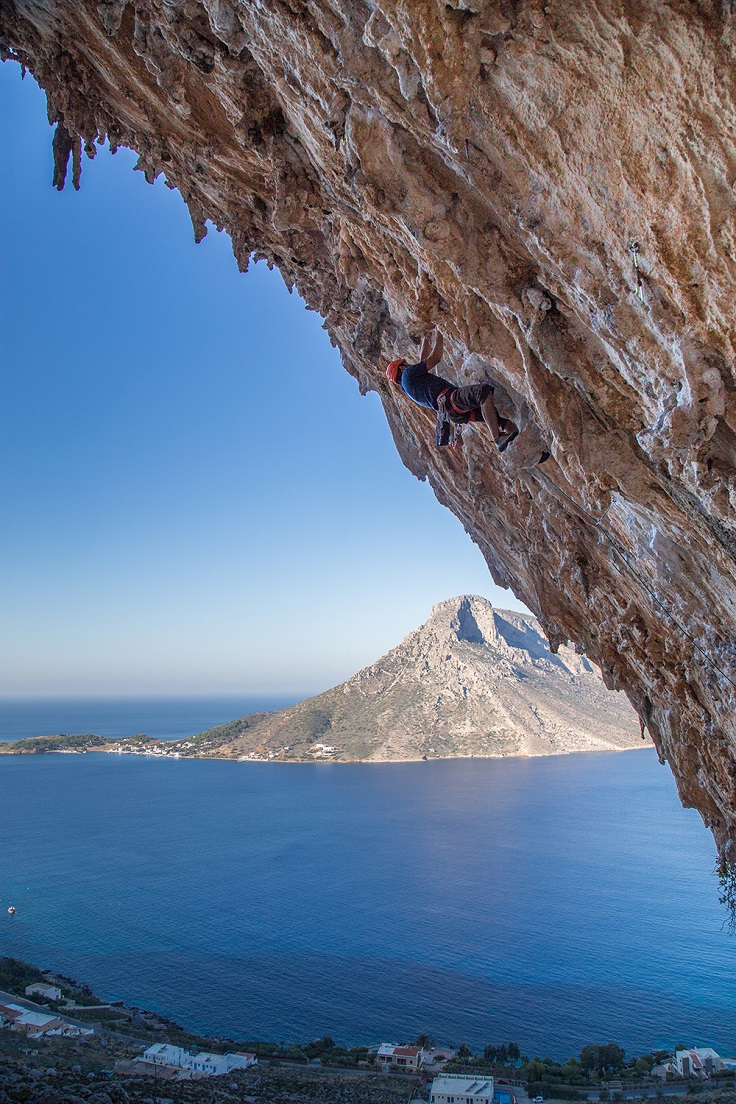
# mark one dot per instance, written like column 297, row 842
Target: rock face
column 471, row 681
column 487, row 165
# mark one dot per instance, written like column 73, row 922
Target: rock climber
column 456, row 404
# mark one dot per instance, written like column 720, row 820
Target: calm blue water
column 554, row 902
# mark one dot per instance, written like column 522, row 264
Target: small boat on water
column 11, row 909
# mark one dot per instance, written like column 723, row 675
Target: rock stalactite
column 487, row 165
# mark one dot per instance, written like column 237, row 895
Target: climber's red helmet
column 394, row 369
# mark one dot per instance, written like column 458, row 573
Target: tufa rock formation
column 471, row 681
column 487, row 165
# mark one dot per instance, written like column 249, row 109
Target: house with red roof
column 400, row 1056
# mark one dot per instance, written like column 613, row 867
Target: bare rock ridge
column 471, row 681
column 487, row 164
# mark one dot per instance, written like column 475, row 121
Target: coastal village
column 58, row 1034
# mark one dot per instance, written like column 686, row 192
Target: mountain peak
column 469, row 618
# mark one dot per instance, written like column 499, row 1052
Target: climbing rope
column 642, row 582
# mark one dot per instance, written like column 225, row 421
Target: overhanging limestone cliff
column 487, row 166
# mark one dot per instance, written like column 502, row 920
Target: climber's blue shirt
column 421, row 386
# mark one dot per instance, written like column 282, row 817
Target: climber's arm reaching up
column 432, row 359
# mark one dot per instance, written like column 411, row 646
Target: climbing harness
column 623, row 556
column 634, row 249
column 448, row 432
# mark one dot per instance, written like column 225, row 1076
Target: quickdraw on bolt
column 634, row 249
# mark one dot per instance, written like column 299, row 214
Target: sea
column 553, row 902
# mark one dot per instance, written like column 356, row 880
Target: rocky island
column 471, row 681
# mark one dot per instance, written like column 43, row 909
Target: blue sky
column 195, row 497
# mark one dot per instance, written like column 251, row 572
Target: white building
column 164, row 1054
column 216, row 1064
column 38, row 1023
column 457, row 1088
column 200, row 1065
column 698, row 1062
column 323, row 751
column 42, row 989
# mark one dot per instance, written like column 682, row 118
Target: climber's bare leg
column 502, row 430
column 490, row 416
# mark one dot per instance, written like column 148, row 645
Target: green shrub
column 15, row 975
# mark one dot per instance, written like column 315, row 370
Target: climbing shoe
column 503, row 442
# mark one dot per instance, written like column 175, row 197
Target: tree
column 490, row 1053
column 318, row 1047
column 612, row 1057
column 465, row 1052
column 424, row 1041
column 513, row 1052
column 535, row 1070
column 590, row 1059
column 571, row 1071
column 598, row 1060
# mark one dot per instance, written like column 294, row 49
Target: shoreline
column 318, row 762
